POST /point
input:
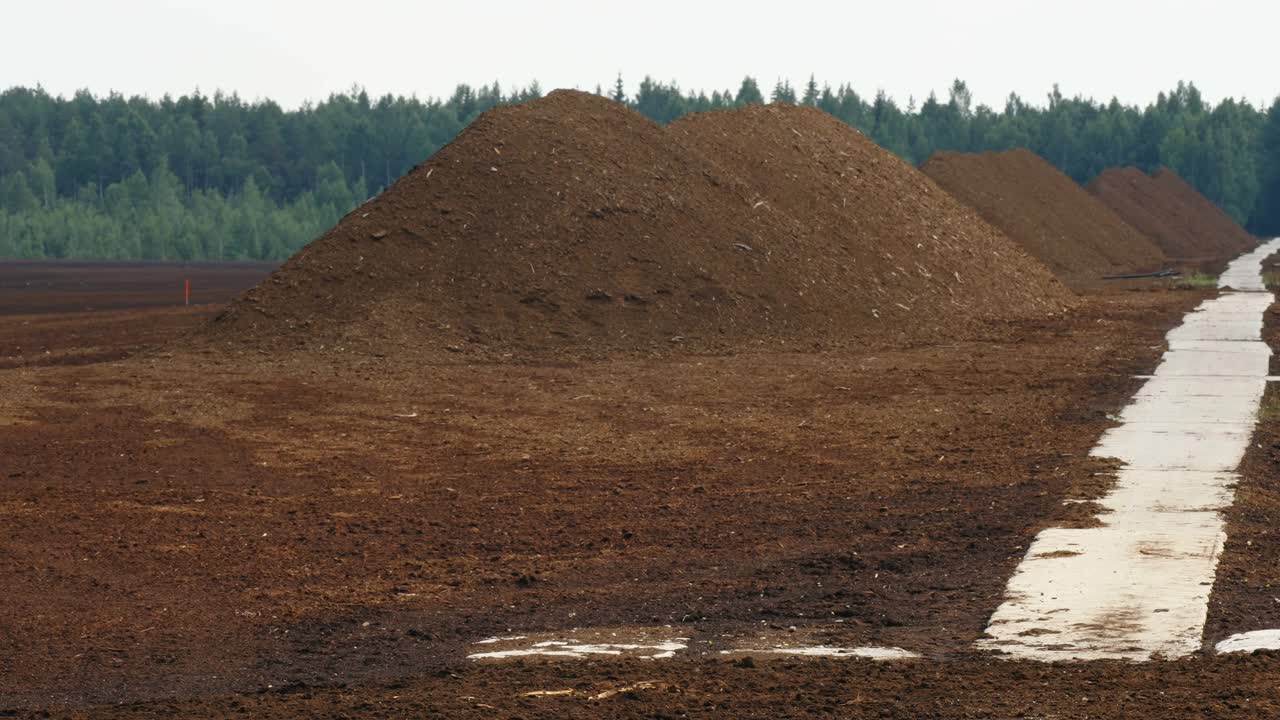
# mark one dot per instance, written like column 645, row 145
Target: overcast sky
column 297, row 50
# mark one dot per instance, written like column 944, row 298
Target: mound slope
column 1182, row 222
column 1217, row 224
column 1073, row 233
column 896, row 237
column 574, row 225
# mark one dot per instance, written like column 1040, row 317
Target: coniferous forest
column 214, row 177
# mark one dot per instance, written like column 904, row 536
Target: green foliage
column 783, row 93
column 1196, row 280
column 16, row 195
column 749, row 93
column 811, row 94
column 217, row 177
column 1267, row 210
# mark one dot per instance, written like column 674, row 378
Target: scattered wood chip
column 642, row 685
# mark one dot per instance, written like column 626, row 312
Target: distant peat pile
column 1190, row 229
column 1225, row 232
column 573, row 226
column 1074, row 234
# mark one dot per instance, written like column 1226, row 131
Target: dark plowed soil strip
column 1078, row 237
column 64, row 286
column 180, row 526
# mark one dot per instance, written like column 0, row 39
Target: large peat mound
column 902, row 248
column 573, row 225
column 1078, row 237
column 1188, row 227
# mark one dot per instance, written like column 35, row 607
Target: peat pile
column 1074, row 234
column 1187, row 226
column 894, row 242
column 574, row 225
column 1217, row 224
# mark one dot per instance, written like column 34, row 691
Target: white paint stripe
column 1250, row 641
column 572, row 649
column 1138, row 586
column 489, row 641
column 868, row 652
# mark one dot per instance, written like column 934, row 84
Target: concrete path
column 1137, row 587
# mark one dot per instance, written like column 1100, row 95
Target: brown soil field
column 1055, row 220
column 1191, row 230
column 573, row 226
column 746, row 377
column 189, row 534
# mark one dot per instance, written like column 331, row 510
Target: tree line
column 216, row 177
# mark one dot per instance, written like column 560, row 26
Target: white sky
column 295, row 50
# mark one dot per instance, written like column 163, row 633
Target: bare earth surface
column 205, row 535
column 1058, row 222
column 1190, row 230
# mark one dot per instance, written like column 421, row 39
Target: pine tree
column 1267, row 207
column 783, row 93
column 811, row 92
column 749, row 93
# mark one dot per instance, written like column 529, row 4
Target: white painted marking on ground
column 1138, row 586
column 651, row 643
column 572, row 649
column 870, row 653
column 490, row 641
column 1250, row 641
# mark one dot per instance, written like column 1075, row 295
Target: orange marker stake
column 186, row 291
